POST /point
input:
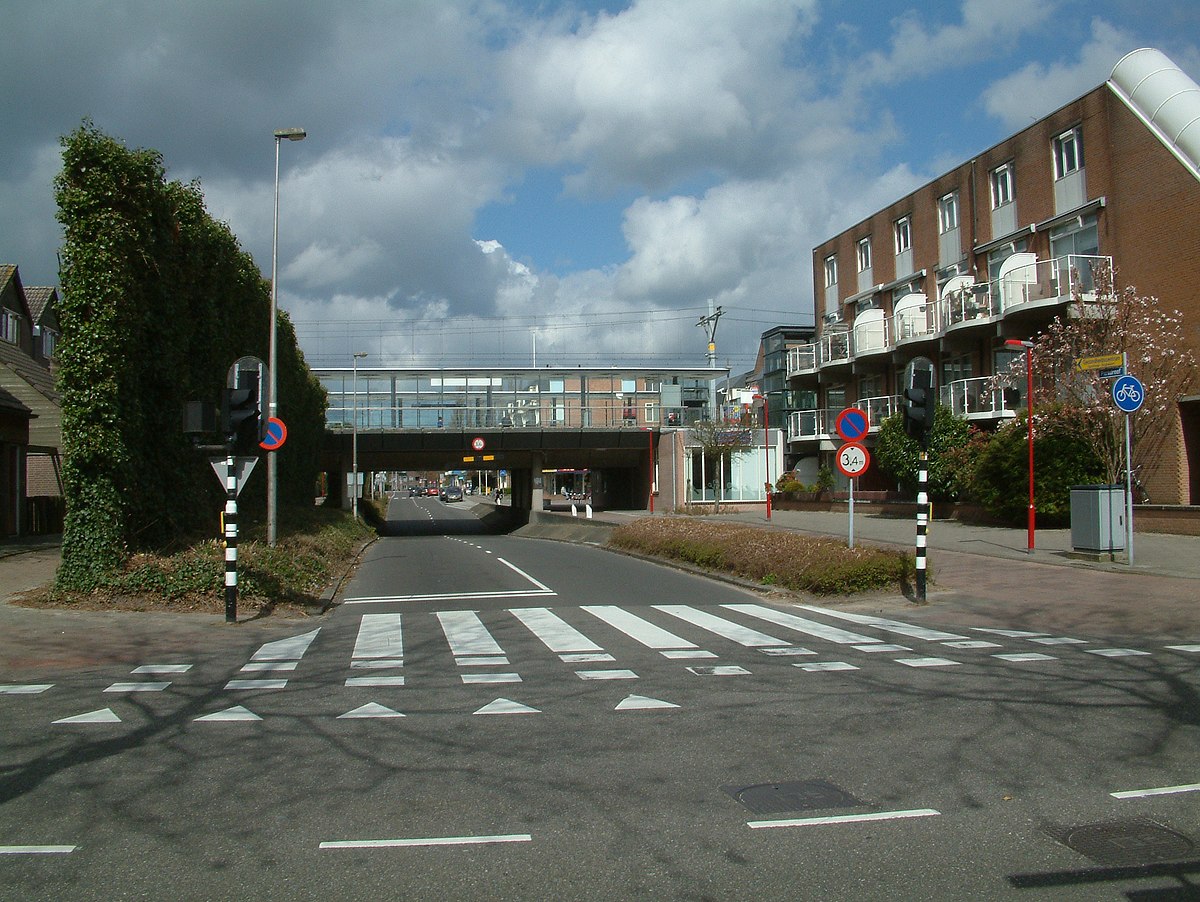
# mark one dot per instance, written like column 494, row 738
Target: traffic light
column 918, row 407
column 241, row 418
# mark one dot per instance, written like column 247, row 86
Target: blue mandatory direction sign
column 1128, row 394
column 852, row 424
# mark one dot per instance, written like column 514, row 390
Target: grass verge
column 821, row 566
column 315, row 545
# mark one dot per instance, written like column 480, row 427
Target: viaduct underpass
column 620, row 424
column 621, row 461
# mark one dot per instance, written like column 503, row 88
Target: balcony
column 1047, row 282
column 812, row 425
column 802, row 359
column 878, row 409
column 835, row 348
column 1024, row 284
column 983, row 398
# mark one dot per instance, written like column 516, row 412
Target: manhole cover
column 804, row 795
column 1136, row 841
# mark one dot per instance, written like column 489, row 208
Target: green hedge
column 157, row 301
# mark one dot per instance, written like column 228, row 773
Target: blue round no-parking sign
column 276, row 435
column 1128, row 394
column 852, row 424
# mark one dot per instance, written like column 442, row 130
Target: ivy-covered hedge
column 157, row 301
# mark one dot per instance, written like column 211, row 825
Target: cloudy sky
column 508, row 181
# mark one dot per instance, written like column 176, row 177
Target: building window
column 49, row 342
column 831, row 274
column 1078, row 236
column 1068, row 153
column 948, row 213
column 10, row 326
column 1002, row 185
column 902, row 230
column 864, row 254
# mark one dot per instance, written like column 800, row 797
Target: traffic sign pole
column 1129, row 395
column 853, row 460
column 850, row 538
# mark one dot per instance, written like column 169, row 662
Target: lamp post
column 358, row 355
column 766, row 447
column 1028, row 346
column 291, row 134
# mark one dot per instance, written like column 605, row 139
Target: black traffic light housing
column 918, row 407
column 241, row 418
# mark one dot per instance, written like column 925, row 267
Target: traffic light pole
column 231, row 538
column 922, row 521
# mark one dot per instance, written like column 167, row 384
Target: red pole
column 650, row 434
column 766, row 447
column 1029, row 395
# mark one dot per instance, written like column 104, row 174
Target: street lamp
column 766, row 447
column 1028, row 346
column 292, row 134
column 358, row 355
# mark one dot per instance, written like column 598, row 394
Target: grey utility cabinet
column 1098, row 517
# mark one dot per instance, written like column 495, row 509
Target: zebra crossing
column 424, row 649
column 485, row 649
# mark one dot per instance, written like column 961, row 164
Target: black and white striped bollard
column 922, row 520
column 231, row 536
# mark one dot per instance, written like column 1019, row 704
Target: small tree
column 1113, row 321
column 898, row 455
column 1063, row 457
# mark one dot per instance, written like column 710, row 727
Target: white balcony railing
column 878, row 409
column 807, row 425
column 984, row 397
column 1056, row 281
column 836, row 347
column 802, row 359
column 1019, row 286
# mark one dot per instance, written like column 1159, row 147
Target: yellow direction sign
column 1100, row 362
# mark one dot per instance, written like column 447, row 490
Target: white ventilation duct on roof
column 1164, row 98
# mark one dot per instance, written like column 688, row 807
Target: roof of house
column 11, row 402
column 37, row 375
column 38, row 297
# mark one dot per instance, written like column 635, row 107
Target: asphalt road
column 488, row 716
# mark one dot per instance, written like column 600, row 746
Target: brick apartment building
column 996, row 248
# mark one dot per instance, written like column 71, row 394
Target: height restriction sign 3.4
column 853, row 459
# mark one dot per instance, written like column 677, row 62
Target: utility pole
column 709, row 323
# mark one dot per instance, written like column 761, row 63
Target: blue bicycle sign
column 1128, row 394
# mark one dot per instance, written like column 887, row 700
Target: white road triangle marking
column 642, row 703
column 506, row 706
column 104, row 715
column 371, row 709
column 237, row 712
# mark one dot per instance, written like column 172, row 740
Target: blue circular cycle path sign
column 1128, row 394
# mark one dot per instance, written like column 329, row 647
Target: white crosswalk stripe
column 492, row 647
column 636, row 628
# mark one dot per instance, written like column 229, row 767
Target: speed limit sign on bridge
column 853, row 459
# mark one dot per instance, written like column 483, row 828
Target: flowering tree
column 1113, row 321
